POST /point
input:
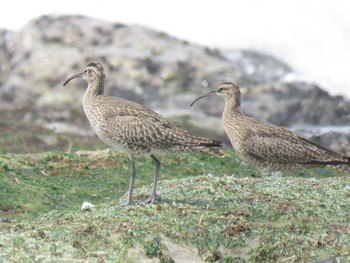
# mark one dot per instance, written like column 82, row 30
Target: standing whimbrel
column 268, row 147
column 134, row 129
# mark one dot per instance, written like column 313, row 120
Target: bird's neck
column 93, row 90
column 231, row 108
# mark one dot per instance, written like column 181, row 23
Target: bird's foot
column 149, row 201
column 124, row 202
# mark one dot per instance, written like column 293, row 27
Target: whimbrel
column 134, row 129
column 267, row 147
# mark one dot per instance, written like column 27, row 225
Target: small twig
column 292, row 257
column 201, row 219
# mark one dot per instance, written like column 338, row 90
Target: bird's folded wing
column 149, row 130
column 292, row 149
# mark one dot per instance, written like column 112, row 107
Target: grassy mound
column 209, row 209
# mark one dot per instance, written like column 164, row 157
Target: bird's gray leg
column 132, row 179
column 152, row 198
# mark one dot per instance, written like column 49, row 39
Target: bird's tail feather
column 343, row 167
column 204, row 145
column 210, row 149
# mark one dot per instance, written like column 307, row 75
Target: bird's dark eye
column 220, row 89
column 86, row 71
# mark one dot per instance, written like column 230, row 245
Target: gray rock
column 152, row 68
column 288, row 103
column 256, row 68
column 144, row 65
column 5, row 55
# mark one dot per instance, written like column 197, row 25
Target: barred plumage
column 133, row 128
column 268, row 147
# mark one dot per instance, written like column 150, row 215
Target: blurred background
column 290, row 58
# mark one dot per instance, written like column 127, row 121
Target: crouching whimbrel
column 134, row 129
column 267, row 147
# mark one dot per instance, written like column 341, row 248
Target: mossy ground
column 209, row 209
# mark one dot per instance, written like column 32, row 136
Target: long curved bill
column 79, row 75
column 212, row 93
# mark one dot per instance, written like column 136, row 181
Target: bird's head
column 227, row 90
column 93, row 72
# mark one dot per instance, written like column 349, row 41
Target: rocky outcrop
column 152, row 68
